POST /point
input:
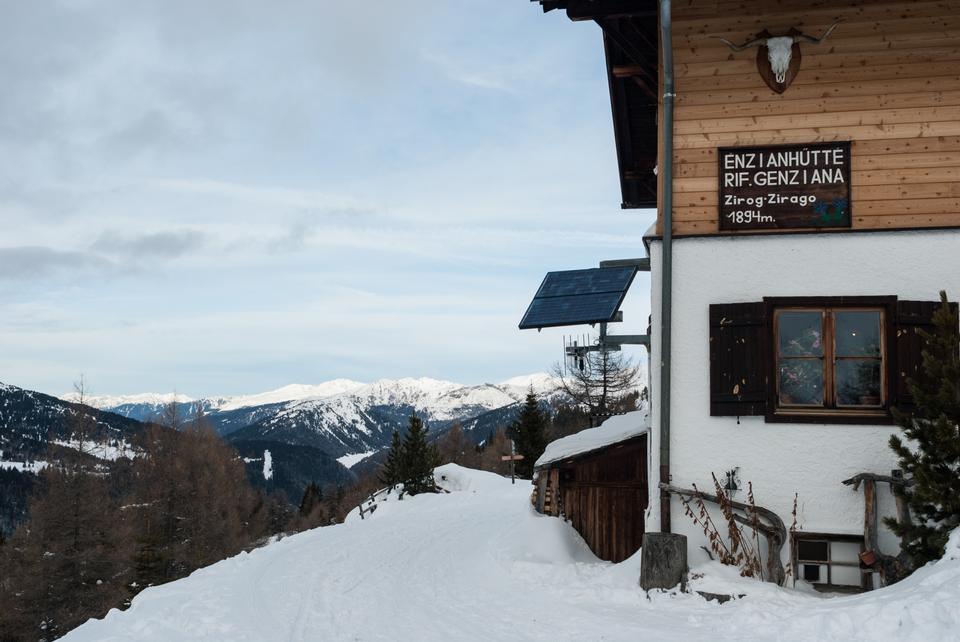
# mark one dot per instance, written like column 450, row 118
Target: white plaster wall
column 782, row 459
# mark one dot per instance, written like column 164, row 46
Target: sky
column 227, row 197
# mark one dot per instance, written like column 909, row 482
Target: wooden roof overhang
column 631, row 43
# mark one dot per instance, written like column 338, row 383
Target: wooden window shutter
column 912, row 317
column 739, row 361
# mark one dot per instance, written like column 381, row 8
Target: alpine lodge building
column 803, row 157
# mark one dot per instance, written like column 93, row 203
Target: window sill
column 863, row 417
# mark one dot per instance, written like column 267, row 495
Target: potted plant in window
column 801, row 380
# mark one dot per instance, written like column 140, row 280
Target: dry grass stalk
column 737, row 548
column 790, row 570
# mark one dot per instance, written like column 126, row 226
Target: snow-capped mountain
column 292, row 392
column 150, row 405
column 342, row 417
column 423, row 391
column 32, row 427
column 35, row 427
column 31, row 421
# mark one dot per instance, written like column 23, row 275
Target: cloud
column 305, row 180
column 262, row 195
column 157, row 245
column 461, row 72
column 34, row 262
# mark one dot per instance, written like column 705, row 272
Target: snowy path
column 478, row 564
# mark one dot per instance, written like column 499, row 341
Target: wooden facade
column 603, row 494
column 887, row 79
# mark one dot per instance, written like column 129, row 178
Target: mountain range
column 287, row 437
column 343, row 418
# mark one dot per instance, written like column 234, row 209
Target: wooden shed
column 602, row 492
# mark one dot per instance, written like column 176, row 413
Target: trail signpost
column 513, row 457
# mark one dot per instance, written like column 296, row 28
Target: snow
column 612, row 431
column 292, row 392
column 267, row 465
column 480, row 564
column 146, row 398
column 23, row 467
column 542, row 383
column 434, row 398
column 350, row 461
column 952, row 549
column 100, row 450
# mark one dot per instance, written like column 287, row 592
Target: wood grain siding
column 604, row 496
column 887, row 79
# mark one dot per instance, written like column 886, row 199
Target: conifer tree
column 419, row 458
column 338, row 498
column 194, row 504
column 529, row 434
column 456, row 447
column 392, row 472
column 71, row 562
column 496, row 446
column 931, row 457
column 312, row 499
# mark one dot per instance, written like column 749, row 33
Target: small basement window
column 829, row 562
column 830, row 358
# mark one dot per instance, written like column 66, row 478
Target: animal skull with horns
column 778, row 59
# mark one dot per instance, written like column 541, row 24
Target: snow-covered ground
column 267, row 465
column 350, row 461
column 99, row 450
column 479, row 564
column 23, row 467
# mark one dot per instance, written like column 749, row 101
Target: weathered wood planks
column 888, row 79
column 604, row 496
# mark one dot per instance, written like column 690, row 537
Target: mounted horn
column 778, row 59
column 749, row 43
column 802, row 37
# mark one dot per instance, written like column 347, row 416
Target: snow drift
column 479, row 564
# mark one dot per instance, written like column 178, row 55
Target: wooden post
column 903, row 508
column 542, row 490
column 512, row 458
column 870, row 515
column 891, row 569
column 663, row 561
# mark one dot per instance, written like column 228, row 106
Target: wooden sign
column 785, row 186
column 511, row 457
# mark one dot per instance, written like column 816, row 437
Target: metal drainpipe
column 666, row 275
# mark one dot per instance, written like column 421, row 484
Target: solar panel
column 577, row 297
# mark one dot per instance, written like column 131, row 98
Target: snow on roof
column 613, row 430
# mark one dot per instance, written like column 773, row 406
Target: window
column 830, row 562
column 816, row 359
column 829, row 358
